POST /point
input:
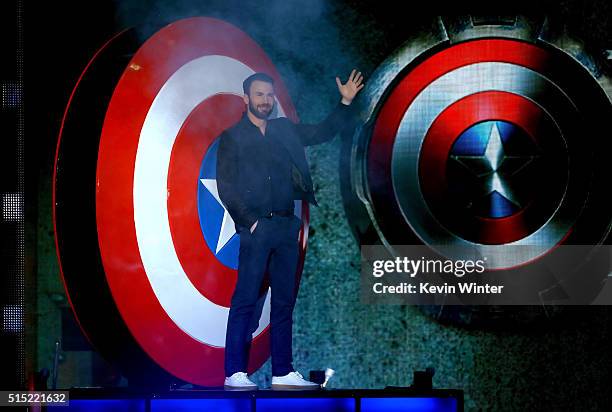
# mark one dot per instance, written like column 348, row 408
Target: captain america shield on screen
column 482, row 145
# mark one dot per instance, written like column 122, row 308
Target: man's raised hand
column 350, row 89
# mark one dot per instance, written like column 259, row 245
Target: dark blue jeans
column 271, row 248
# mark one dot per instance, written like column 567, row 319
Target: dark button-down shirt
column 277, row 161
column 258, row 174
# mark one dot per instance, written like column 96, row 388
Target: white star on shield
column 228, row 229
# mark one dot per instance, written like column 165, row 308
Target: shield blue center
column 211, row 212
column 493, row 154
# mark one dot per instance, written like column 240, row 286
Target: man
column 261, row 170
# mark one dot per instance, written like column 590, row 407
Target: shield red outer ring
column 159, row 58
column 74, row 220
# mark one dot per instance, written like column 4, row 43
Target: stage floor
column 341, row 400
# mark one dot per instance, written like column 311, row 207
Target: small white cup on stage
column 328, row 374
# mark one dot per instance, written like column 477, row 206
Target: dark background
column 559, row 361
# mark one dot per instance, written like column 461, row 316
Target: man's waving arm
column 328, row 128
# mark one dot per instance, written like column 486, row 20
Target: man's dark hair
column 262, row 77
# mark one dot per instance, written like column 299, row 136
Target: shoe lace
column 298, row 374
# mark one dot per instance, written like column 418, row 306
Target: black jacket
column 242, row 179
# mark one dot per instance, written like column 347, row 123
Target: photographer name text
column 431, row 289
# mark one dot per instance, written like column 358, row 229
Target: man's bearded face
column 261, row 99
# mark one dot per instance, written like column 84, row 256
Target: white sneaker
column 239, row 382
column 292, row 381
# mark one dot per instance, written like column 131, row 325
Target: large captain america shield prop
column 486, row 143
column 166, row 244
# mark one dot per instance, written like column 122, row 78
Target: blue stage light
column 305, row 404
column 408, row 405
column 102, row 405
column 193, row 405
